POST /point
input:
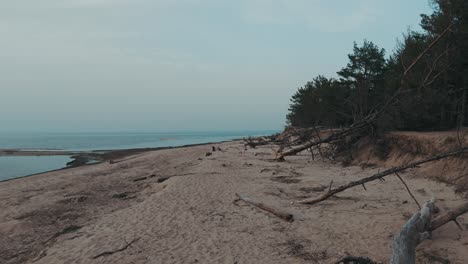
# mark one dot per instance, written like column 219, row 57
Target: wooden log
column 382, row 174
column 417, row 229
column 283, row 215
column 412, row 234
column 448, row 216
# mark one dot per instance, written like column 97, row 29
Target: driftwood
column 382, row 174
column 355, row 260
column 418, row 228
column 283, row 215
column 412, row 234
column 107, row 253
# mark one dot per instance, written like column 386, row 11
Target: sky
column 177, row 65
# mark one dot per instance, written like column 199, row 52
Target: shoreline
column 83, row 158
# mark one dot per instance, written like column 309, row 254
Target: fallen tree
column 380, row 175
column 354, row 130
column 254, row 142
column 418, row 228
column 364, row 126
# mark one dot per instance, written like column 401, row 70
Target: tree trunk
column 417, row 229
column 411, row 235
column 382, row 174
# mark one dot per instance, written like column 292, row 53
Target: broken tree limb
column 382, row 174
column 408, row 189
column 106, row 253
column 357, row 128
column 355, row 260
column 283, row 215
column 254, row 142
column 448, row 216
column 412, row 234
column 417, row 229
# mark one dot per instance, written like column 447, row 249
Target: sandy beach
column 179, row 206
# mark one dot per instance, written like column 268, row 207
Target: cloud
column 326, row 16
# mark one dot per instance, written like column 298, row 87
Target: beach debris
column 418, row 228
column 286, row 179
column 107, row 253
column 254, row 142
column 331, row 192
column 68, row 229
column 300, row 248
column 120, row 195
column 408, row 189
column 213, row 148
column 162, row 179
column 123, row 196
column 208, row 154
column 219, row 149
column 355, row 260
column 321, row 188
column 78, row 199
column 277, row 212
column 140, row 179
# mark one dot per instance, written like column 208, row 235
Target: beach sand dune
column 177, row 206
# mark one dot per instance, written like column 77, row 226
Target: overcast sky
column 174, row 65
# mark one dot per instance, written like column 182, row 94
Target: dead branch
column 448, row 216
column 254, row 142
column 355, row 260
column 408, row 189
column 433, row 43
column 382, row 174
column 107, row 253
column 283, row 215
column 353, row 129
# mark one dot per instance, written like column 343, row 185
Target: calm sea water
column 12, row 167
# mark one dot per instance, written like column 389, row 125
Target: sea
column 14, row 167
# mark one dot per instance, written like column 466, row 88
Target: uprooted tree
column 365, row 124
column 423, row 85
